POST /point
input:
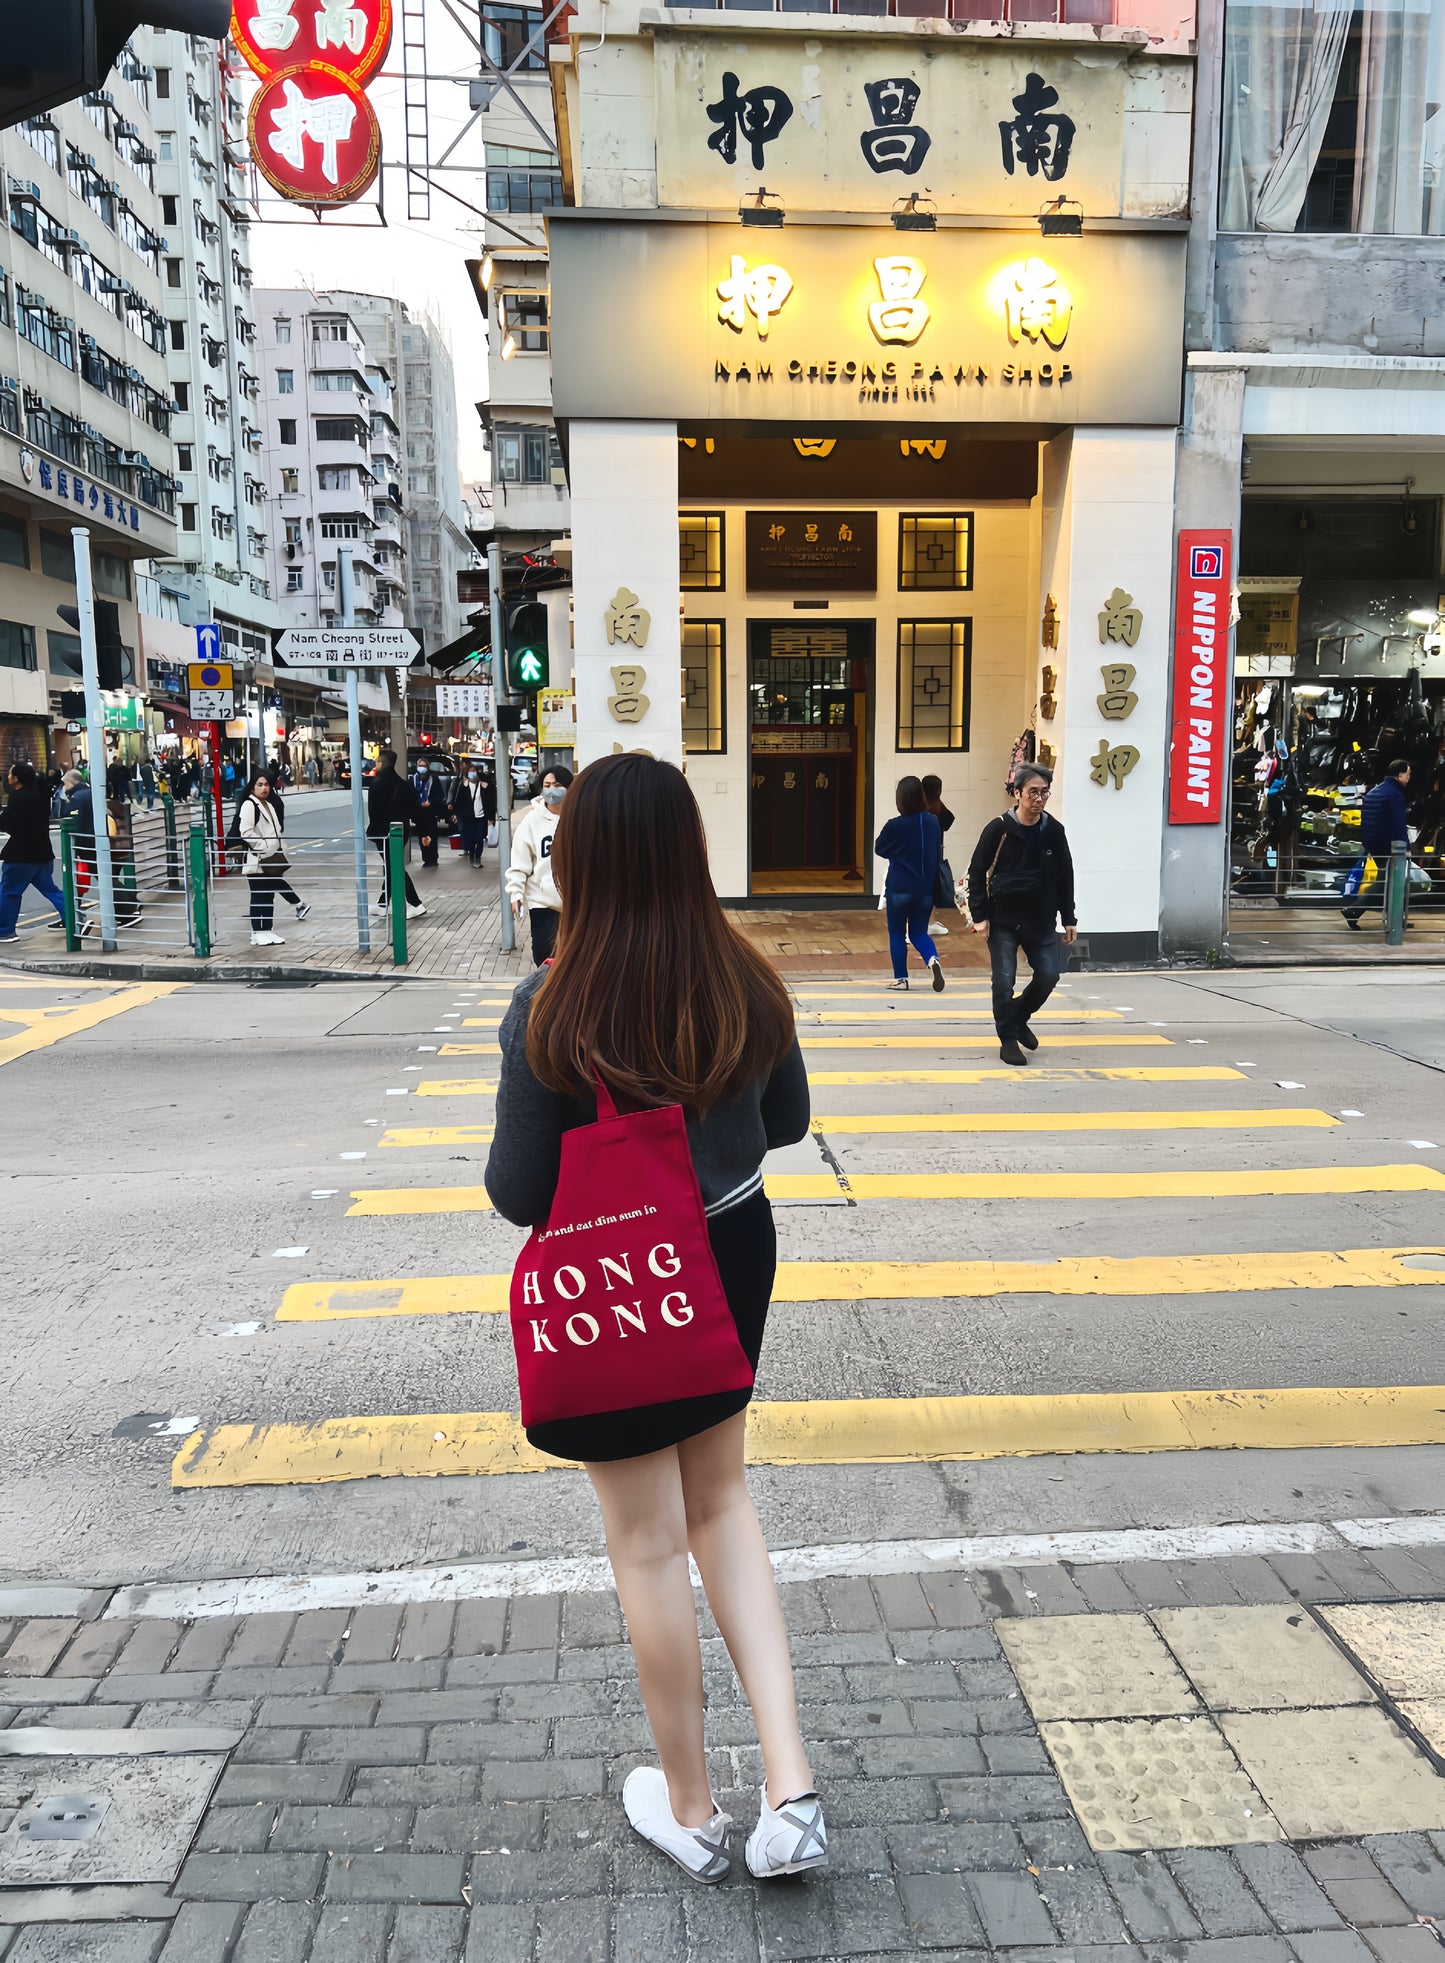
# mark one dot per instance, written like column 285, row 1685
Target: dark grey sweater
column 727, row 1145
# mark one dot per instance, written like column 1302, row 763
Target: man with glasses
column 1020, row 882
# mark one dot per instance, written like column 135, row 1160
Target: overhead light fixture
column 509, row 347
column 909, row 214
column 757, row 211
column 1063, row 219
column 489, row 268
column 1422, row 616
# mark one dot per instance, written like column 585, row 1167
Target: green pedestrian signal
column 527, row 663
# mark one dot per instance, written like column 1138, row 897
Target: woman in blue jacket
column 912, row 843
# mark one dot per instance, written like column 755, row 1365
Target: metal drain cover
column 65, row 1816
column 119, row 1819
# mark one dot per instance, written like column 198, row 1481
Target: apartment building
column 219, row 571
column 423, row 416
column 523, row 181
column 86, row 399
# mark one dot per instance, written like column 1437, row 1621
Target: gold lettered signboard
column 798, row 550
column 1268, row 626
column 675, row 318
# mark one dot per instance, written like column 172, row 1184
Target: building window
column 286, row 429
column 332, row 380
column 188, row 517
column 62, row 653
column 57, row 558
column 112, row 575
column 185, row 456
column 506, row 31
column 168, row 210
column 328, row 330
column 182, row 393
column 163, row 84
column 17, row 646
column 524, row 321
column 14, row 542
column 178, row 336
column 524, row 190
column 294, row 577
column 704, row 693
column 173, row 272
column 283, row 333
column 935, row 551
column 334, row 477
column 338, row 429
column 285, row 381
column 291, row 480
column 1331, row 118
column 340, row 528
column 700, row 549
column 933, row 684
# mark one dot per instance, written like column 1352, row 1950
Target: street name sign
column 348, row 647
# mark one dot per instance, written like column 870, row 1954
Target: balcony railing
column 1068, row 13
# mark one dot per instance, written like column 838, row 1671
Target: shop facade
column 1314, row 435
column 859, row 493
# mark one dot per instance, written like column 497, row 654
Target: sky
column 422, row 264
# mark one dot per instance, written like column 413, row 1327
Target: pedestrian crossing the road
column 1039, row 1158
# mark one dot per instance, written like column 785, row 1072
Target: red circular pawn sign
column 314, row 135
column 349, row 35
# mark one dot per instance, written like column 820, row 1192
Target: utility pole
column 504, row 768
column 95, row 736
column 353, row 732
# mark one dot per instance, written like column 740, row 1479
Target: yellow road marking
column 920, row 1281
column 881, row 1042
column 441, row 1135
column 47, row 1026
column 1048, row 1121
column 944, row 1014
column 455, row 1087
column 385, row 1202
column 852, row 1431
column 470, row 1049
column 888, row 1015
column 1184, row 1073
column 60, row 982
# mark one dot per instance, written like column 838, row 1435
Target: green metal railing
column 200, row 892
column 68, row 887
column 396, row 890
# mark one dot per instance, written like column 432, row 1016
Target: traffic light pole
column 499, row 744
column 353, row 737
column 95, row 737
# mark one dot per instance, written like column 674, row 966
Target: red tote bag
column 617, row 1301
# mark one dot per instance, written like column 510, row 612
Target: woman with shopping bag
column 646, row 1070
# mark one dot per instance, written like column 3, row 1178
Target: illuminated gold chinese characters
column 1048, row 699
column 815, row 446
column 923, row 446
column 1037, row 304
column 1113, row 765
column 1049, row 631
column 626, row 620
column 1120, row 619
column 1118, row 700
column 629, row 704
column 761, row 291
column 900, row 316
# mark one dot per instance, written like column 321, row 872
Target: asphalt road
column 174, row 1168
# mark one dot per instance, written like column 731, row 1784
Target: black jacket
column 26, row 822
column 390, row 800
column 1042, row 849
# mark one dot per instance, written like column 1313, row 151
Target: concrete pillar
column 1194, row 897
column 624, row 543
column 1108, row 500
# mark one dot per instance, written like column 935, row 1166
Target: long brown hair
column 651, row 985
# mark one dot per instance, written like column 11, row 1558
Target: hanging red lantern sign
column 314, row 135
column 351, row 36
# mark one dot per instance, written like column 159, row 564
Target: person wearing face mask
column 530, row 886
column 469, row 803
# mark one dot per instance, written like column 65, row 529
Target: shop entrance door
column 808, row 700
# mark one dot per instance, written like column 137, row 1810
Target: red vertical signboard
column 1199, row 738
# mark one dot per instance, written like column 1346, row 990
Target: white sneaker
column 415, row 913
column 792, row 1840
column 382, row 905
column 303, row 909
column 702, row 1851
column 267, row 940
column 936, row 929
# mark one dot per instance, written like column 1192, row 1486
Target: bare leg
column 642, row 1511
column 727, row 1543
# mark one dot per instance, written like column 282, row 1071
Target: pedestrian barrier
column 179, row 888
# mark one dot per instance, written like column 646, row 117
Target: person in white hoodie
column 261, row 824
column 529, row 877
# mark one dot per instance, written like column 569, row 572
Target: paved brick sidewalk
column 437, row 1784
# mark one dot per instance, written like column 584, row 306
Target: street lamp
column 1062, row 219
column 910, row 216
column 758, row 212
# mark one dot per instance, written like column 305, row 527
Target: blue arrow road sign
column 208, row 641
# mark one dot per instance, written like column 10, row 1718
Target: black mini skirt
column 745, row 1246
